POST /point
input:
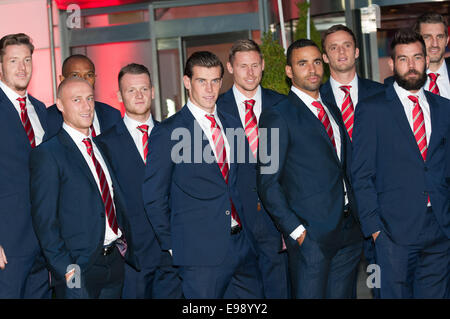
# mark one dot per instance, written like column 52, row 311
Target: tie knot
column 143, row 128
column 433, row 76
column 249, row 104
column 88, row 143
column 413, row 98
column 212, row 119
column 318, row 105
column 22, row 101
column 345, row 88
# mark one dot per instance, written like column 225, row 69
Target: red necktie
column 93, row 134
column 433, row 88
column 419, row 128
column 323, row 117
column 26, row 121
column 144, row 129
column 251, row 126
column 221, row 154
column 347, row 110
column 106, row 195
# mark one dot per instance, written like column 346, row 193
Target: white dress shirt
column 308, row 100
column 442, row 81
column 205, row 124
column 31, row 111
column 78, row 137
column 137, row 134
column 241, row 98
column 339, row 94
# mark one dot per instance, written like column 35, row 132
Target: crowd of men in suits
column 93, row 205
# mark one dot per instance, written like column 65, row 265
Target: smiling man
column 77, row 206
column 22, row 127
column 246, row 100
column 399, row 178
column 309, row 197
column 195, row 207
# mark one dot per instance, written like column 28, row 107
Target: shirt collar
column 131, row 123
column 199, row 113
column 403, row 94
column 305, row 97
column 442, row 69
column 335, row 85
column 241, row 97
column 10, row 93
column 76, row 135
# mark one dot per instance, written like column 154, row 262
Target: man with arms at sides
column 345, row 89
column 125, row 146
column 77, row 206
column 23, row 125
column 190, row 193
column 398, row 169
column 105, row 116
column 309, row 195
column 245, row 101
column 433, row 28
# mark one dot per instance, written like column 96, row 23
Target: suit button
column 227, row 212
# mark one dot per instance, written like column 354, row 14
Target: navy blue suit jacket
column 307, row 188
column 188, row 201
column 107, row 117
column 67, row 208
column 16, row 231
column 390, row 178
column 246, row 180
column 129, row 168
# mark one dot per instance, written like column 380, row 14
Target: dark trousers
column 103, row 279
column 25, row 277
column 420, row 270
column 237, row 277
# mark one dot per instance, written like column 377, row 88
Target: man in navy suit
column 245, row 101
column 345, row 89
column 309, row 196
column 190, row 193
column 77, row 206
column 23, row 125
column 433, row 28
column 125, row 146
column 105, row 116
column 398, row 169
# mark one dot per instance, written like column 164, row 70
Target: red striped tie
column 323, row 117
column 26, row 121
column 433, row 88
column 419, row 128
column 221, row 155
column 251, row 126
column 106, row 195
column 93, row 134
column 347, row 110
column 144, row 129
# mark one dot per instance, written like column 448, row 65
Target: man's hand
column 375, row 235
column 301, row 238
column 3, row 260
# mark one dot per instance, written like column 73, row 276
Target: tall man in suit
column 245, row 101
column 345, row 89
column 190, row 193
column 433, row 28
column 23, row 125
column 105, row 116
column 398, row 168
column 125, row 146
column 309, row 196
column 78, row 208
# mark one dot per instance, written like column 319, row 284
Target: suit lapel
column 127, row 143
column 434, row 115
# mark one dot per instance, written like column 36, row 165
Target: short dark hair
column 430, row 17
column 245, row 45
column 202, row 58
column 134, row 68
column 300, row 43
column 15, row 39
column 74, row 57
column 406, row 36
column 336, row 28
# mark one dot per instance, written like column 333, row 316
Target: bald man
column 105, row 116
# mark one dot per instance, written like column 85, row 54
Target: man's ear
column 59, row 105
column 391, row 64
column 187, row 82
column 119, row 96
column 229, row 68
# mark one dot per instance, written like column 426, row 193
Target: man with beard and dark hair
column 398, row 170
